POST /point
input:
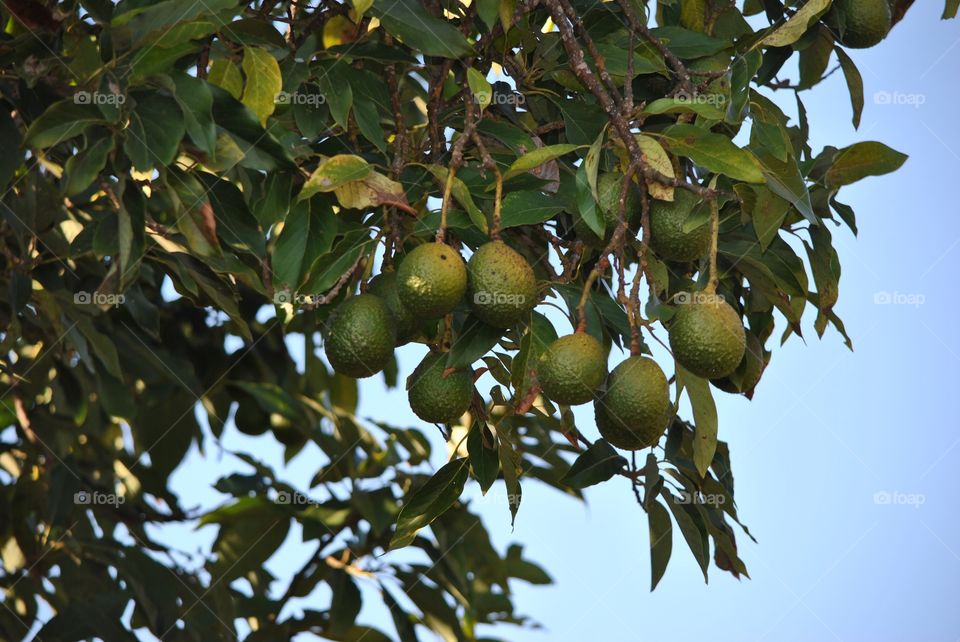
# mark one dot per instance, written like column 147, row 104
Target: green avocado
column 667, row 236
column 406, row 322
column 572, row 368
column 707, row 336
column 747, row 375
column 435, row 398
column 633, row 409
column 502, row 285
column 859, row 24
column 431, row 280
column 360, row 337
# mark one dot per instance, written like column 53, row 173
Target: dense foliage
column 192, row 188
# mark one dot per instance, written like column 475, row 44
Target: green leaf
column 854, row 84
column 950, row 9
column 250, row 532
column 224, row 74
column 861, row 160
column 714, row 152
column 692, row 528
column 474, row 340
column 596, row 464
column 345, row 604
column 82, row 169
column 704, row 417
column 409, row 21
column 587, row 206
column 689, row 44
column 196, row 103
column 511, row 465
column 479, row 87
column 430, row 501
column 527, row 207
column 766, row 209
column 61, row 121
column 488, row 11
column 537, row 157
column 661, row 541
column 684, row 106
column 155, row 131
column 815, row 58
column 794, row 28
column 463, row 196
column 263, row 82
column 305, row 236
column 484, row 459
column 540, row 334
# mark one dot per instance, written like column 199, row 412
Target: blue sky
column 830, row 435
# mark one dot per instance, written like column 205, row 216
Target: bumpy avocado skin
column 608, row 190
column 859, row 24
column 667, row 237
column 747, row 375
column 502, row 288
column 435, row 398
column 707, row 337
column 431, row 280
column 572, row 368
column 384, row 285
column 360, row 337
column 633, row 409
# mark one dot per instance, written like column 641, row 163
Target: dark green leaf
column 661, row 542
column 596, row 464
column 430, row 501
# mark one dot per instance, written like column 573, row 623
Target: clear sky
column 845, row 462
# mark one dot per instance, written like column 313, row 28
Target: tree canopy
column 193, row 188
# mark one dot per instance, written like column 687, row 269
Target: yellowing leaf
column 339, row 30
column 657, row 158
column 224, row 74
column 333, row 172
column 263, row 82
column 794, row 28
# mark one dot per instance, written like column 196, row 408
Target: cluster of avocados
column 631, row 403
column 429, row 283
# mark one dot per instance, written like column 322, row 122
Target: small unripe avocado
column 435, row 398
column 431, row 280
column 667, row 237
column 608, row 191
column 633, row 409
column 502, row 285
column 361, row 336
column 859, row 24
column 707, row 337
column 572, row 368
column 384, row 285
column 747, row 375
